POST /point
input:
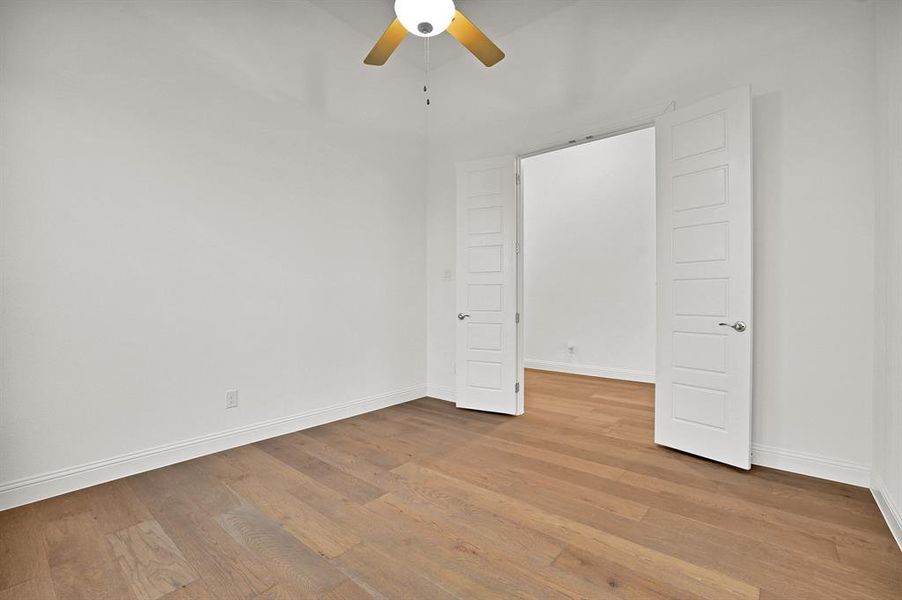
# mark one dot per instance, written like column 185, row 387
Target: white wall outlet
column 231, row 398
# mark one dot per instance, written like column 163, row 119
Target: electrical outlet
column 231, row 398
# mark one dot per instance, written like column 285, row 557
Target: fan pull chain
column 426, row 82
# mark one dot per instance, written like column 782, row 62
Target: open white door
column 486, row 354
column 704, row 231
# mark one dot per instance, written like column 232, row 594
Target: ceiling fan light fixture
column 425, row 18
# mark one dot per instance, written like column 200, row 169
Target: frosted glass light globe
column 425, row 18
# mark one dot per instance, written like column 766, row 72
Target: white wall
column 589, row 258
column 887, row 476
column 811, row 68
column 198, row 196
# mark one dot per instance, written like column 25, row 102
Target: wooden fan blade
column 390, row 40
column 474, row 40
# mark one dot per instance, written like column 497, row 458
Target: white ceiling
column 494, row 17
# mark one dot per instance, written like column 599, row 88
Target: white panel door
column 486, row 354
column 703, row 396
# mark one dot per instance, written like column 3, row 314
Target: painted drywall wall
column 196, row 197
column 811, row 69
column 887, row 475
column 589, row 258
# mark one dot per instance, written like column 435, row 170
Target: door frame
column 614, row 129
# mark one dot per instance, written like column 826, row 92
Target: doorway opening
column 588, row 281
column 703, row 272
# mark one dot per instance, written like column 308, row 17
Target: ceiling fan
column 427, row 18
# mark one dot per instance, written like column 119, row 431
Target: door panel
column 704, row 223
column 486, row 353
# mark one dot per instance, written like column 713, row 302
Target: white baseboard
column 811, row 464
column 47, row 485
column 591, row 370
column 441, row 392
column 891, row 513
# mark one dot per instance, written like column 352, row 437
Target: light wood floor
column 425, row 501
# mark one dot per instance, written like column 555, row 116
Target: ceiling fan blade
column 390, row 40
column 474, row 40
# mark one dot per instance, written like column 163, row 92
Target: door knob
column 738, row 326
column 462, row 316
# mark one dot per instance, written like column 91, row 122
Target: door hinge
column 518, row 179
column 517, row 388
column 517, row 318
column 517, row 247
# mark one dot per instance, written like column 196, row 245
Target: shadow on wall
column 767, row 182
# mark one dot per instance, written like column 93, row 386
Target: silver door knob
column 738, row 326
column 462, row 316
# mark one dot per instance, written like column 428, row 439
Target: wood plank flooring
column 572, row 500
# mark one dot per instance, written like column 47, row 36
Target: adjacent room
column 589, row 280
column 450, row 299
column 589, row 258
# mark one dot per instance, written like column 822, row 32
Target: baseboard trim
column 46, row 485
column 891, row 513
column 591, row 370
column 813, row 465
column 441, row 392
